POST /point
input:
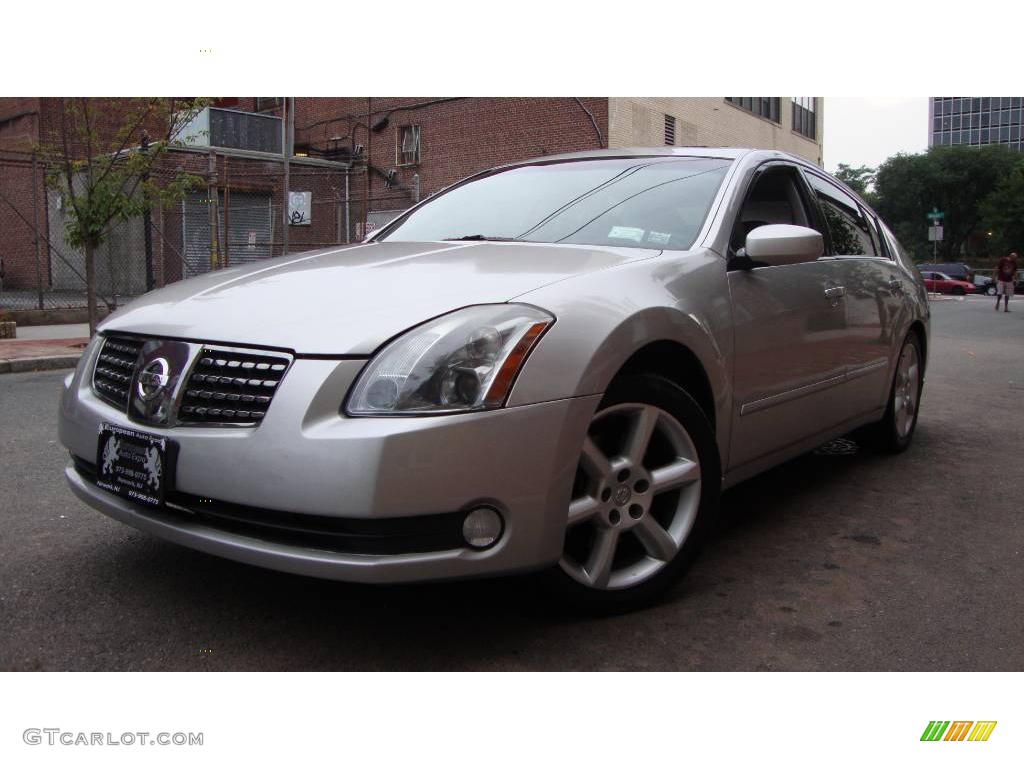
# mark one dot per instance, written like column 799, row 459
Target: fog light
column 482, row 527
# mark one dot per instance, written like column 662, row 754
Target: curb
column 27, row 364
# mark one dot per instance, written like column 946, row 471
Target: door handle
column 896, row 286
column 835, row 292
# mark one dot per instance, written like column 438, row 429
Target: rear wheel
column 990, row 290
column 896, row 429
column 645, row 493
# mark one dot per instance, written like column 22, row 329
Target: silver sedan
column 552, row 366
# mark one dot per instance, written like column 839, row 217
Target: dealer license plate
column 133, row 464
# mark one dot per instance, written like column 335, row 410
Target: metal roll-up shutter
column 249, row 223
column 248, row 240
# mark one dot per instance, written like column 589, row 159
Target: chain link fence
column 235, row 216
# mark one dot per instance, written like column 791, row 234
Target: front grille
column 115, row 367
column 231, row 386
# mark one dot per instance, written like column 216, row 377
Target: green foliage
column 102, row 173
column 955, row 180
column 1003, row 213
column 858, row 179
column 844, row 238
column 95, row 159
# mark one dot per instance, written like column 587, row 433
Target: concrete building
column 788, row 123
column 976, row 120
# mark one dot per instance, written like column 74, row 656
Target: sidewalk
column 43, row 348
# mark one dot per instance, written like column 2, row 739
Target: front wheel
column 644, row 497
column 990, row 291
column 958, row 291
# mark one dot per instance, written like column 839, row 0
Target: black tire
column 990, row 290
column 958, row 291
column 655, row 391
column 884, row 435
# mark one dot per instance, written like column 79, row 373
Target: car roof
column 727, row 153
column 721, row 153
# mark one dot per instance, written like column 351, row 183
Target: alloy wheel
column 635, row 498
column 905, row 393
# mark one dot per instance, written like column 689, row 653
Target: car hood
column 350, row 300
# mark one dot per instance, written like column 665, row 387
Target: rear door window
column 848, row 229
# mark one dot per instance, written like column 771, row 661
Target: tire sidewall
column 662, row 393
column 894, row 442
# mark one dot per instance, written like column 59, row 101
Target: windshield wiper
column 484, row 237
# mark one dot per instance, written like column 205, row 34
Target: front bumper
column 308, row 459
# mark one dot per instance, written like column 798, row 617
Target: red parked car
column 940, row 282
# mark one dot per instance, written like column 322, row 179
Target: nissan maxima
column 553, row 366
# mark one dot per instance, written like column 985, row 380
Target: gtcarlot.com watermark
column 57, row 737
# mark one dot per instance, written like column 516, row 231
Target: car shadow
column 255, row 618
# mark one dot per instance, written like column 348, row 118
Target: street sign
column 934, row 233
column 935, row 215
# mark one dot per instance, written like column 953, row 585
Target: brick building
column 447, row 139
column 356, row 162
column 23, row 187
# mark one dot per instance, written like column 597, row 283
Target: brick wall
column 17, row 244
column 711, row 122
column 18, row 129
column 458, row 137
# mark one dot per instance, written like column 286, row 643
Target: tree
column 858, row 179
column 1003, row 212
column 94, row 158
column 954, row 179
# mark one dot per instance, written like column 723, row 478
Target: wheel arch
column 677, row 363
column 918, row 329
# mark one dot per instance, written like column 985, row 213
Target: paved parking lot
column 841, row 560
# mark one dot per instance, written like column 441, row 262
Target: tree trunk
column 90, row 286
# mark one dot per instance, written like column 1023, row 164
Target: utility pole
column 211, row 200
column 35, row 229
column 227, row 215
column 147, row 225
column 369, row 159
column 286, row 152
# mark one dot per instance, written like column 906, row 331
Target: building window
column 762, row 106
column 408, row 150
column 264, row 103
column 670, row 131
column 804, row 116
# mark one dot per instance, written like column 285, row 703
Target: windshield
column 648, row 202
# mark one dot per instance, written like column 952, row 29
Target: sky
column 866, row 131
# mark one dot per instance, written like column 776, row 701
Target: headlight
column 463, row 361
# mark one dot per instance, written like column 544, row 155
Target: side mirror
column 776, row 245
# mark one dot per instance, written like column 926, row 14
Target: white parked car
column 555, row 365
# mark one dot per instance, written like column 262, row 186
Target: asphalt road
column 840, row 561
